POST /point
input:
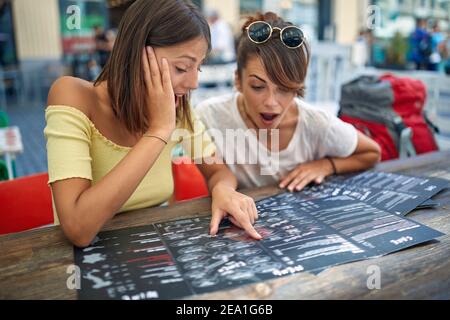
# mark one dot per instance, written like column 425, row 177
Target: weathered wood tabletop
column 33, row 264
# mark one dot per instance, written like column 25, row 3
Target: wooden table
column 33, row 264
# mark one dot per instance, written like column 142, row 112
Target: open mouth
column 269, row 118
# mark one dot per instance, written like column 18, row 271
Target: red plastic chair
column 25, row 203
column 189, row 181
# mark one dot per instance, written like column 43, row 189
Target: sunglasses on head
column 260, row 32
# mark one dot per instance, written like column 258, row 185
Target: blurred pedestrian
column 222, row 39
column 446, row 54
column 93, row 69
column 361, row 49
column 437, row 47
column 102, row 45
column 421, row 48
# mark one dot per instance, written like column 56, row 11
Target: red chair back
column 25, row 203
column 188, row 180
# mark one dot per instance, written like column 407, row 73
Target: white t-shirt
column 318, row 134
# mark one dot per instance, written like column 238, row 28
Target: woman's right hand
column 160, row 95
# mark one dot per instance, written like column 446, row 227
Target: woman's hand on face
column 304, row 174
column 160, row 95
column 240, row 209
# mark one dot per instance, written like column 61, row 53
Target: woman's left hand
column 304, row 174
column 240, row 209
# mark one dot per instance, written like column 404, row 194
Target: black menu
column 392, row 192
column 327, row 225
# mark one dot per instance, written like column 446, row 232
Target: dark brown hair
column 285, row 67
column 156, row 23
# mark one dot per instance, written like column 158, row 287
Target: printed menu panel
column 309, row 231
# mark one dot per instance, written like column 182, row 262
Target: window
column 250, row 6
column 198, row 3
column 304, row 13
column 8, row 54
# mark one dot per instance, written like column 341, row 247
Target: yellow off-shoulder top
column 76, row 149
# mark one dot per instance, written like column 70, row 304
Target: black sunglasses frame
column 271, row 32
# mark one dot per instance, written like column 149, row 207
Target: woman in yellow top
column 109, row 142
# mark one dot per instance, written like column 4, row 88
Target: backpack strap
column 405, row 146
column 430, row 124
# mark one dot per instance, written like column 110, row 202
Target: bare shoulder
column 72, row 92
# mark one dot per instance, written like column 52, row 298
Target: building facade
column 32, row 30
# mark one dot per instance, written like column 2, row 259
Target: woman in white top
column 290, row 143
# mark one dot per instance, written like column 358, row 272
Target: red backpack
column 389, row 110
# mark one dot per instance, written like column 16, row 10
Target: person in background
column 361, row 50
column 222, row 40
column 369, row 40
column 420, row 42
column 103, row 46
column 93, row 69
column 446, row 54
column 437, row 47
